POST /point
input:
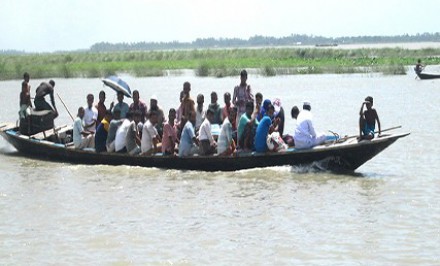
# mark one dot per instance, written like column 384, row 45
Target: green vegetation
column 215, row 62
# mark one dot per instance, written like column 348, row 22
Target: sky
column 54, row 25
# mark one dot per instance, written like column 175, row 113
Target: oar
column 71, row 116
column 375, row 132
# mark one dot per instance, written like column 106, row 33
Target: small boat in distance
column 428, row 76
column 343, row 155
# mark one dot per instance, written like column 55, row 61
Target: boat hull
column 427, row 76
column 335, row 157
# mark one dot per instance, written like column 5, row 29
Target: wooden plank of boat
column 47, row 133
column 7, row 126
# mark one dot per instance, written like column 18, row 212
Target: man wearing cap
column 305, row 136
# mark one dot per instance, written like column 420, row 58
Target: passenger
column 102, row 132
column 150, row 142
column 247, row 127
column 132, row 139
column 263, row 109
column 39, row 101
column 179, row 112
column 279, row 113
column 288, row 139
column 100, row 106
column 258, row 101
column 187, row 102
column 159, row 112
column 188, row 141
column 25, row 97
column 81, row 139
column 242, row 95
column 419, row 67
column 305, row 135
column 91, row 115
column 121, row 105
column 170, row 139
column 226, row 144
column 200, row 112
column 228, row 106
column 265, row 127
column 138, row 105
column 113, row 127
column 367, row 121
column 215, row 107
column 121, row 134
column 207, row 143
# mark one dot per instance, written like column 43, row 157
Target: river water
column 386, row 213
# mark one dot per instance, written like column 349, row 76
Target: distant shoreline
column 390, row 59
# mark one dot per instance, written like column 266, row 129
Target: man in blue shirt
column 188, row 140
column 265, row 127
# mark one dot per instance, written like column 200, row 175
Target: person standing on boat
column 82, row 139
column 100, row 106
column 242, row 95
column 419, row 67
column 140, row 105
column 25, row 96
column 121, row 105
column 91, row 115
column 305, row 136
column 39, row 101
column 188, row 104
column 188, row 141
column 200, row 113
column 368, row 118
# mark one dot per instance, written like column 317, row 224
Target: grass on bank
column 216, row 63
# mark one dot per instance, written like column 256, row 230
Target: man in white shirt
column 90, row 115
column 226, row 144
column 121, row 134
column 200, row 113
column 305, row 136
column 207, row 143
column 150, row 136
column 81, row 138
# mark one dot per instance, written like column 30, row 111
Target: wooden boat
column 341, row 155
column 428, row 76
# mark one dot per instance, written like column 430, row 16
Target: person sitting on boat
column 160, row 114
column 102, row 132
column 264, row 129
column 258, row 102
column 82, row 139
column 419, row 67
column 207, row 143
column 228, row 106
column 242, row 94
column 368, row 118
column 263, row 109
column 279, row 113
column 25, row 99
column 288, row 139
column 150, row 142
column 188, row 141
column 132, row 139
column 226, row 144
column 113, row 128
column 121, row 134
column 121, row 105
column 215, row 107
column 39, row 101
column 305, row 136
column 247, row 127
column 140, row 105
column 100, row 106
column 170, row 139
column 200, row 112
column 91, row 115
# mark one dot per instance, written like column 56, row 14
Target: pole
column 65, row 106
